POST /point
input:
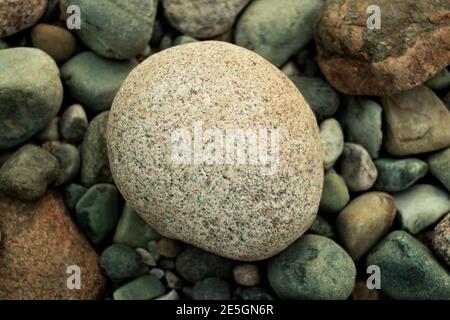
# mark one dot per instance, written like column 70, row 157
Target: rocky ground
column 381, row 99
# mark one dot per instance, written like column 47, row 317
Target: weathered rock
column 39, row 244
column 16, row 15
column 441, row 239
column 57, row 42
column 246, row 274
column 94, row 153
column 362, row 122
column 93, row 80
column 202, row 18
column 409, row 269
column 420, row 206
column 439, row 164
column 277, row 29
column 73, row 123
column 30, row 96
column 120, row 262
column 416, row 122
column 409, row 48
column 313, row 267
column 265, row 207
column 357, row 168
column 398, row 174
column 28, row 172
column 113, row 28
column 364, row 221
column 332, row 141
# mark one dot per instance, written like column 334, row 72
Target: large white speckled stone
column 235, row 210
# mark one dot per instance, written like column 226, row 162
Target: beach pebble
column 28, row 172
column 312, row 268
column 57, row 42
column 441, row 239
column 404, row 52
column 439, row 164
column 277, row 29
column 202, row 18
column 247, row 274
column 72, row 193
column 17, row 15
column 31, row 94
column 113, row 28
column 420, row 206
column 265, row 208
column 321, row 97
column 73, row 123
column 335, row 195
column 194, row 265
column 409, row 270
column 211, row 289
column 94, row 153
column 93, row 80
column 120, row 262
column 362, row 122
column 68, row 158
column 143, row 288
column 416, row 122
column 399, row 174
column 171, row 295
column 332, row 141
column 173, row 280
column 97, row 212
column 146, row 257
column 364, row 221
column 41, row 249
column 357, row 168
column 133, row 231
column 168, row 248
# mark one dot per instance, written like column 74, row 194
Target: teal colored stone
column 133, row 231
column 408, row 269
column 439, row 164
column 321, row 97
column 335, row 195
column 194, row 265
column 114, row 28
column 97, row 212
column 361, row 120
column 27, row 173
column 398, row 174
column 142, row 288
column 183, row 40
column 120, row 262
column 277, row 29
column 312, row 268
column 211, row 289
column 94, row 153
column 72, row 193
column 94, row 81
column 68, row 158
column 31, row 94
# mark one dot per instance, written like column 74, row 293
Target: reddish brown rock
column 411, row 46
column 16, row 15
column 39, row 241
column 441, row 239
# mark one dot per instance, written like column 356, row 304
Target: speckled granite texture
column 235, row 211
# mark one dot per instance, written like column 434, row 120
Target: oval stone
column 175, row 147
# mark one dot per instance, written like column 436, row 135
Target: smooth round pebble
column 246, row 274
column 57, row 42
column 72, row 193
column 31, row 94
column 143, row 288
column 73, row 123
column 312, row 268
column 335, row 195
column 168, row 248
column 357, row 168
column 17, row 15
column 398, row 174
column 120, row 262
column 439, row 164
column 68, row 158
column 332, row 141
column 173, row 93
